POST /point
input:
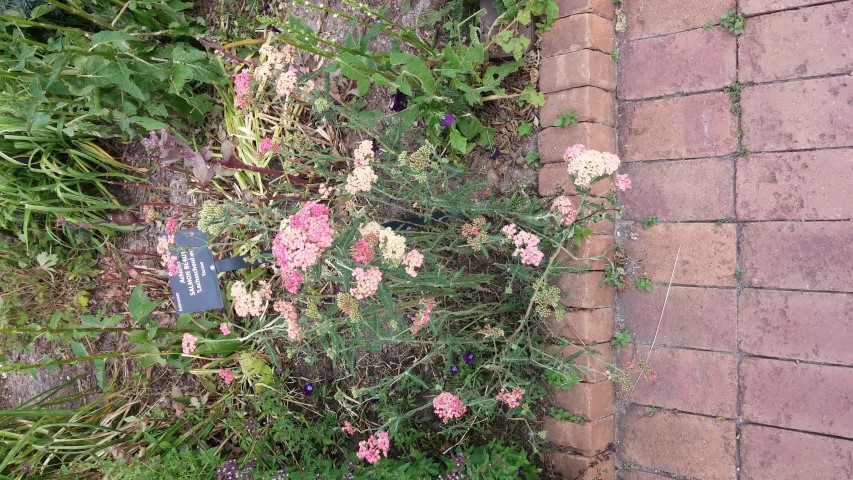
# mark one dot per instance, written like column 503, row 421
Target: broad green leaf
column 139, row 305
column 458, row 141
column 110, row 37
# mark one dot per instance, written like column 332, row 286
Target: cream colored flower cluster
column 362, row 177
column 587, row 165
column 277, row 66
column 391, row 245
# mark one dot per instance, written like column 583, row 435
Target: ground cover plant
column 392, row 324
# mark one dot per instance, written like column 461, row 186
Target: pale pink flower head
column 374, row 448
column 267, row 145
column 366, row 282
column 588, row 165
column 622, row 183
column 422, row 318
column 563, row 205
column 360, row 180
column 288, row 311
column 412, row 260
column 509, row 230
column 448, row 406
column 226, row 375
column 171, row 226
column 224, row 328
column 300, row 243
column 531, row 255
column 573, row 151
column 242, row 89
column 363, row 154
column 188, row 343
column 512, row 399
column 348, row 428
column 285, row 83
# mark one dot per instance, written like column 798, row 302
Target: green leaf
column 181, row 74
column 139, row 305
column 148, row 123
column 41, row 10
column 531, row 96
column 566, row 118
column 110, row 37
column 79, row 350
column 525, row 129
column 458, row 141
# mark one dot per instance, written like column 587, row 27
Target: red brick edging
column 577, row 73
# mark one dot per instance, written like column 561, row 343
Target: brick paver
column 694, row 317
column 678, row 443
column 553, row 141
column 649, row 18
column 752, row 7
column 813, row 398
column 773, row 454
column 677, row 373
column 757, row 326
column 803, row 325
column 798, row 255
column 782, row 45
column 708, row 252
column 591, row 104
column 578, row 32
column 692, row 61
column 694, row 126
column 812, row 185
column 577, row 69
column 798, row 115
column 666, row 195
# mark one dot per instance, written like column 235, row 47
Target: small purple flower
column 454, row 369
column 273, row 29
column 266, row 8
column 447, row 120
column 468, row 357
column 518, row 472
column 308, row 389
column 399, row 101
column 495, row 153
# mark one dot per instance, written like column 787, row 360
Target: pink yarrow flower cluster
column 242, row 89
column 288, row 311
column 362, row 250
column 254, row 303
column 374, row 448
column 226, row 375
column 526, row 245
column 167, row 259
column 348, row 428
column 448, row 406
column 563, row 205
column 224, row 328
column 300, row 243
column 362, row 177
column 422, row 318
column 622, row 183
column 267, row 145
column 587, row 165
column 188, row 343
column 412, row 260
column 512, row 398
column 171, row 226
column 366, row 282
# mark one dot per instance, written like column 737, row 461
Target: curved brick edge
column 576, row 74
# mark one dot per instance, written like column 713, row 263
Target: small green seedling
column 566, row 416
column 614, row 54
column 720, row 222
column 709, row 25
column 650, row 221
column 525, row 129
column 566, row 118
column 531, row 158
column 734, row 21
column 738, row 272
column 644, row 283
column 621, row 339
column 613, row 275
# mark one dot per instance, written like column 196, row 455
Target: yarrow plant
column 374, row 448
column 299, row 244
column 511, row 399
column 586, row 165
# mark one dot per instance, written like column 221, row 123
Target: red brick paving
column 694, row 126
column 591, row 104
column 771, row 351
column 765, row 50
column 678, row 372
column 798, row 115
column 666, row 196
column 803, row 325
column 689, row 445
column 799, row 255
column 578, row 32
column 695, row 317
column 773, row 454
column 662, row 65
column 649, row 18
column 814, row 398
column 811, row 185
column 577, row 69
column 708, row 252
